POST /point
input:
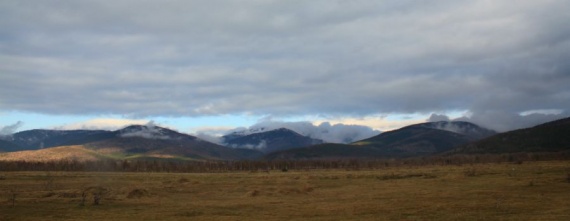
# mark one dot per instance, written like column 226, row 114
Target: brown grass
column 492, row 192
column 78, row 153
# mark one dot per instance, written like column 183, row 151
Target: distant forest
column 271, row 166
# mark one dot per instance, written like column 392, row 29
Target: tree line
column 213, row 166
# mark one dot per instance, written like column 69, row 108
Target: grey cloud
column 437, row 117
column 208, row 136
column 188, row 58
column 10, row 129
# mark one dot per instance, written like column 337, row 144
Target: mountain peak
column 144, row 131
column 151, row 131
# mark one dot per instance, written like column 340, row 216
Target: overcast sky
column 221, row 64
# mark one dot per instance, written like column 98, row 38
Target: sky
column 207, row 67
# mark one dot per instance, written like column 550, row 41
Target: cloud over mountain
column 504, row 121
column 10, row 129
column 337, row 133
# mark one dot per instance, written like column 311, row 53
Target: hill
column 471, row 130
column 7, row 146
column 78, row 153
column 39, row 138
column 549, row 137
column 427, row 138
column 328, row 151
column 270, row 141
column 141, row 139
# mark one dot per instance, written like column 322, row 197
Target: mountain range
column 137, row 141
column 153, row 142
column 414, row 140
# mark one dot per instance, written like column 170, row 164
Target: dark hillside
column 328, row 151
column 271, row 141
column 427, row 138
column 549, row 137
column 7, row 146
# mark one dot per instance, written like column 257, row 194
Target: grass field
column 528, row 191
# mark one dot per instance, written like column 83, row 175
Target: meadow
column 491, row 191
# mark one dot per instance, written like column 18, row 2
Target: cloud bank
column 285, row 58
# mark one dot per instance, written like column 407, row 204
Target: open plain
column 506, row 191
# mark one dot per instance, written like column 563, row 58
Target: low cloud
column 502, row 121
column 10, row 129
column 210, row 137
column 260, row 146
column 102, row 124
column 149, row 131
column 438, row 117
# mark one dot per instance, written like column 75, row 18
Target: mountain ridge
column 133, row 140
column 424, row 139
column 270, row 141
column 552, row 136
column 411, row 141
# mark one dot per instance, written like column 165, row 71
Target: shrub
column 137, row 193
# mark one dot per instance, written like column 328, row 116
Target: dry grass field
column 528, row 191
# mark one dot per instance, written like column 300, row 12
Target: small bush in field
column 96, row 199
column 137, row 193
